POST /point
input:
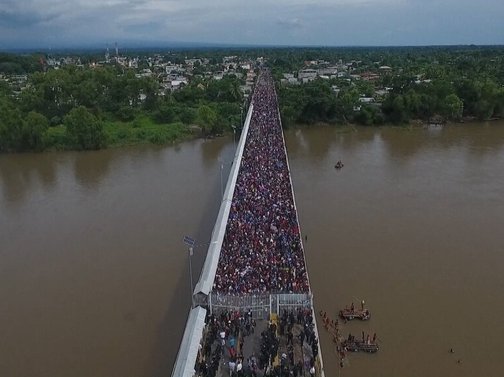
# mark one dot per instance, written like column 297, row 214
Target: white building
column 307, row 74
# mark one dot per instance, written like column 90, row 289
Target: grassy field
column 142, row 130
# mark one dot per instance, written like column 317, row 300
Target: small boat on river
column 352, row 313
column 339, row 165
column 367, row 344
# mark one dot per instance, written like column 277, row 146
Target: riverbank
column 348, row 127
column 141, row 130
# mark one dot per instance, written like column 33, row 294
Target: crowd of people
column 287, row 346
column 224, row 341
column 296, row 326
column 262, row 251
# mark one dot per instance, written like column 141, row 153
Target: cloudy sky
column 74, row 23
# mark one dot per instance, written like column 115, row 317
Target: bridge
column 253, row 305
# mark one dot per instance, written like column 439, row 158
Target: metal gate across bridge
column 260, row 305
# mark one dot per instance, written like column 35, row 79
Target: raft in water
column 351, row 313
column 356, row 346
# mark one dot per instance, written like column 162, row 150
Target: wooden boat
column 359, row 346
column 352, row 313
column 339, row 165
column 365, row 345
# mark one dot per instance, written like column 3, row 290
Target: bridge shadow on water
column 170, row 331
column 171, row 328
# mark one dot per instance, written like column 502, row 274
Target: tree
column 186, row 114
column 346, row 103
column 412, row 102
column 395, row 109
column 483, row 109
column 150, row 89
column 34, row 127
column 499, row 107
column 364, row 116
column 453, row 107
column 11, row 126
column 207, row 118
column 365, row 87
column 84, row 129
column 165, row 114
column 234, row 90
column 290, row 114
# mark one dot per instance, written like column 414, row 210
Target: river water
column 94, row 274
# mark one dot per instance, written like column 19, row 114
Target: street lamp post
column 190, row 253
column 221, row 187
column 222, row 163
column 242, row 108
column 234, row 135
column 189, row 241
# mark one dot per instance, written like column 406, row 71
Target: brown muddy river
column 94, row 275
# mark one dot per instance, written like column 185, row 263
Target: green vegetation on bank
column 144, row 130
column 90, row 108
column 117, row 133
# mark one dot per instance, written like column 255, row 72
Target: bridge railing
column 261, row 305
column 293, row 301
column 207, row 277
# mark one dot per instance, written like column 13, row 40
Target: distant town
column 171, row 75
column 324, row 70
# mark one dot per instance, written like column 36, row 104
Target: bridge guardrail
column 261, row 305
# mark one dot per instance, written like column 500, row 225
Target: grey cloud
column 292, row 23
column 336, row 22
column 144, row 29
column 21, row 20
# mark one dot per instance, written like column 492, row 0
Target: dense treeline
column 425, row 83
column 19, row 64
column 83, row 108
